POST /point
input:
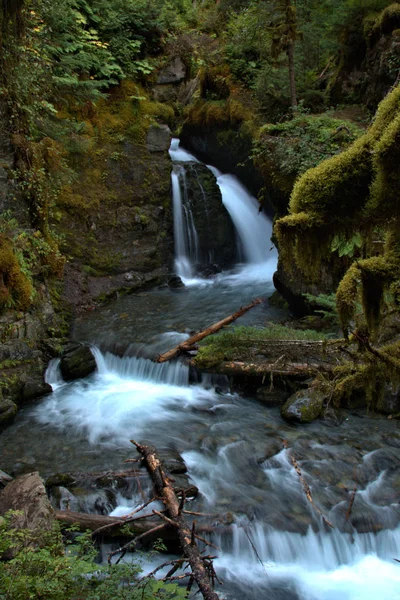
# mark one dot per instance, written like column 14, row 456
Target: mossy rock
column 8, row 410
column 303, row 406
column 77, row 361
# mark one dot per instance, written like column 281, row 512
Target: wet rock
column 175, row 282
column 77, row 361
column 35, row 388
column 158, row 138
column 303, row 406
column 8, row 410
column 272, row 447
column 272, row 397
column 59, row 479
column 174, row 72
column 4, row 479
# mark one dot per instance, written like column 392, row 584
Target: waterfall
column 253, row 228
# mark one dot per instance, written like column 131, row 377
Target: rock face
column 369, row 62
column 389, row 404
column 174, row 72
column 77, row 361
column 303, row 406
column 215, row 230
column 28, row 495
column 158, row 138
column 225, row 148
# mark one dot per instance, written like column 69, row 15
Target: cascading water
column 185, row 234
column 273, row 544
column 253, row 228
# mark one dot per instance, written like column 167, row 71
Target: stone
column 158, row 138
column 175, row 282
column 8, row 410
column 35, row 388
column 304, row 406
column 27, row 494
column 389, row 403
column 77, row 361
column 4, row 479
column 272, row 397
column 174, row 72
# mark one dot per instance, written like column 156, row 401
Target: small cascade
column 141, row 369
column 53, row 374
column 317, row 566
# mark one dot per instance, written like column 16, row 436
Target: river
column 273, row 542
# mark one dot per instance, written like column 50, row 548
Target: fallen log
column 94, row 522
column 206, row 332
column 201, row 570
column 261, row 368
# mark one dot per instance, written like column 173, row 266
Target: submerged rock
column 303, row 406
column 77, row 361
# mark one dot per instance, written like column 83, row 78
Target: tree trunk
column 292, row 80
column 202, row 334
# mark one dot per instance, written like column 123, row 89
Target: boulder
column 174, row 72
column 175, row 282
column 8, row 410
column 27, row 495
column 158, row 138
column 77, row 361
column 35, row 388
column 304, row 406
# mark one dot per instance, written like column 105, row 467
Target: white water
column 254, row 229
column 130, row 397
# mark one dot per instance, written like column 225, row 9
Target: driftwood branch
column 202, row 569
column 305, row 485
column 202, row 334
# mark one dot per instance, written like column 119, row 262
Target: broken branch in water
column 202, row 569
column 305, row 485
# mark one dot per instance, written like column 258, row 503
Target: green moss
column 354, row 193
column 15, row 288
column 233, row 342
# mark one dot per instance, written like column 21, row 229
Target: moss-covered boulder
column 77, row 361
column 303, row 406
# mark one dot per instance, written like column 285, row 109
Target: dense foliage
column 42, row 567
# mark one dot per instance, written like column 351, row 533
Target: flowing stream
column 273, row 543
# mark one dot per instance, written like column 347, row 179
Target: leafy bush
column 42, row 568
